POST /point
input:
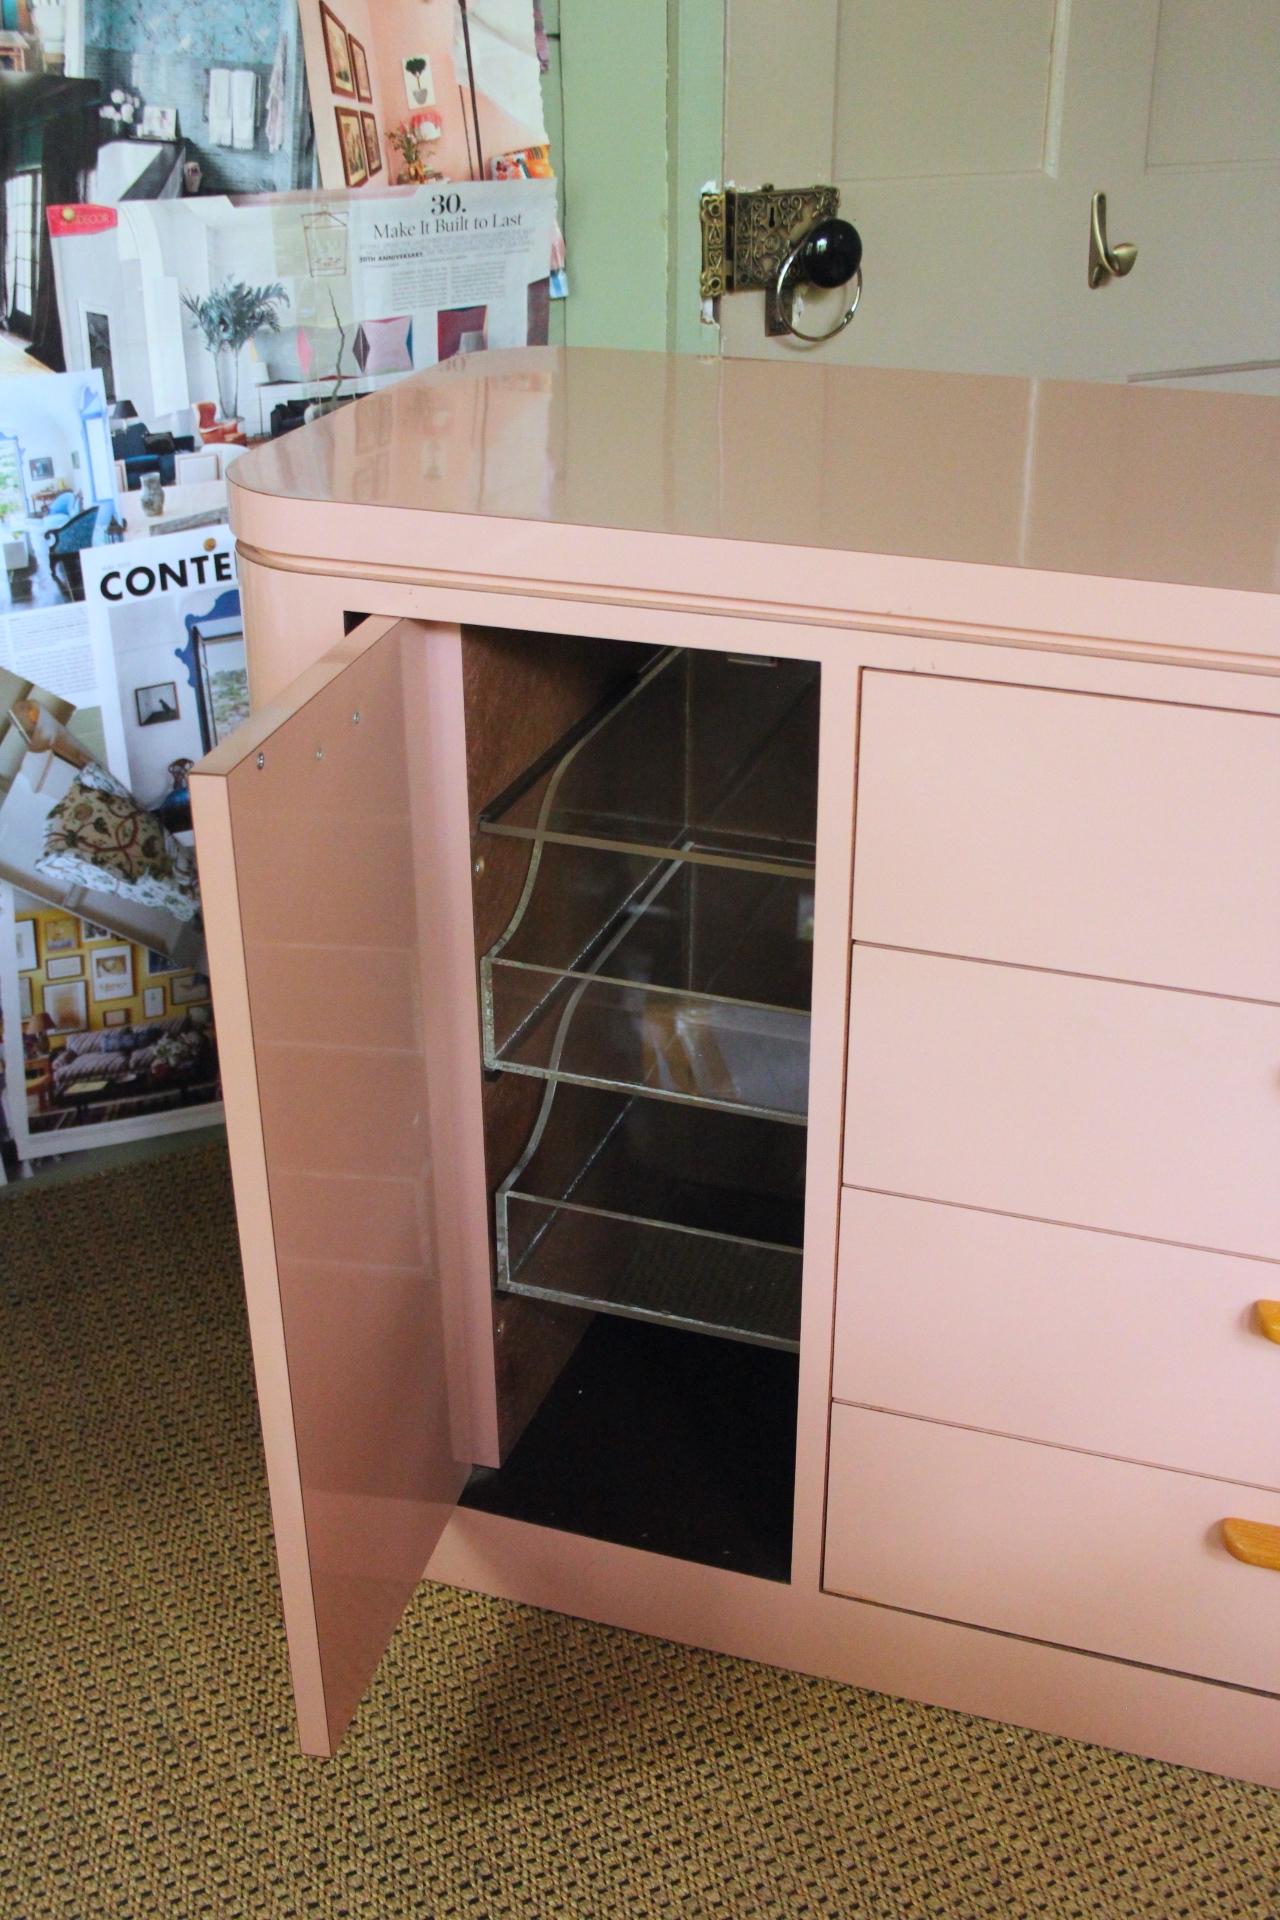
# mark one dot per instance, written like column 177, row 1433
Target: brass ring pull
column 829, row 255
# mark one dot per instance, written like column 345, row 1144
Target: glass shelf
column 706, row 756
column 671, row 1214
column 687, row 982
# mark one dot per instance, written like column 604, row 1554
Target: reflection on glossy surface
column 1133, row 482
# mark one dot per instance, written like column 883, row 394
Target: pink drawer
column 1083, row 1101
column 1077, row 831
column 1058, row 1546
column 1091, row 1340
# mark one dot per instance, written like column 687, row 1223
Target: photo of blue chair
column 93, row 527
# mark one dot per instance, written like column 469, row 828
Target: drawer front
column 1088, row 1102
column 1076, row 831
column 1091, row 1340
column 1057, row 1546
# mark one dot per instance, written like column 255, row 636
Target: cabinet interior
column 643, row 850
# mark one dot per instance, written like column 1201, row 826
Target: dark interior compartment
column 644, row 832
column 668, row 1441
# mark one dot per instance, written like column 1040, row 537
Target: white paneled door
column 967, row 143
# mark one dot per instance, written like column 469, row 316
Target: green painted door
column 634, row 109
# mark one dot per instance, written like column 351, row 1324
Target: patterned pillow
column 98, row 836
column 82, row 1043
column 117, row 1040
column 153, row 1030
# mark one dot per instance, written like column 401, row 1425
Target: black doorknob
column 830, row 254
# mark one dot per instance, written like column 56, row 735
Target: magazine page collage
column 217, row 224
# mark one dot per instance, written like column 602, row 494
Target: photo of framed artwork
column 116, row 1017
column 188, row 988
column 69, row 967
column 222, row 676
column 28, row 957
column 111, row 971
column 24, row 998
column 372, row 144
column 355, row 167
column 360, row 69
column 153, row 1002
column 90, row 930
column 157, row 963
column 61, row 936
column 67, row 1006
column 159, row 123
column 40, row 469
column 337, row 52
column 156, row 704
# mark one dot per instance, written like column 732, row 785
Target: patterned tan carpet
column 508, row 1763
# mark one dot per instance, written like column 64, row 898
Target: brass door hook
column 1106, row 262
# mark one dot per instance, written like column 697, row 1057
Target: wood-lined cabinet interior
column 644, row 886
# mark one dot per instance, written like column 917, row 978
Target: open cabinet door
column 335, row 866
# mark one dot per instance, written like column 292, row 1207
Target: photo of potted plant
column 408, row 141
column 228, row 317
column 327, row 403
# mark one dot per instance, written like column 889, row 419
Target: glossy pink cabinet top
column 1132, row 483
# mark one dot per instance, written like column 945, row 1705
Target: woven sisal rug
column 506, row 1763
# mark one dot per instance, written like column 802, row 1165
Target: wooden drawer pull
column 1269, row 1319
column 1253, row 1542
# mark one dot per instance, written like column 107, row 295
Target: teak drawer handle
column 1269, row 1319
column 1254, row 1542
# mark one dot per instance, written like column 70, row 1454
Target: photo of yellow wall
column 110, row 1029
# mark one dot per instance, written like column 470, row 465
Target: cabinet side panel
column 220, row 896
column 435, row 725
column 340, row 895
column 837, row 755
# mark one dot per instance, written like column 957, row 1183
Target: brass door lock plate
column 748, row 232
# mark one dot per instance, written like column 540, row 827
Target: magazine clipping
column 109, row 1030
column 219, row 323
column 202, row 265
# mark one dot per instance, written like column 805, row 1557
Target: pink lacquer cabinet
column 746, row 931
